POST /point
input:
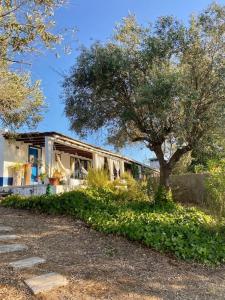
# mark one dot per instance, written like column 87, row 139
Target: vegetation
column 212, row 147
column 162, row 85
column 98, row 178
column 215, row 185
column 26, row 27
column 21, row 101
column 183, row 165
column 188, row 233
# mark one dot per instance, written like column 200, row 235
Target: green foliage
column 49, row 190
column 153, row 85
column 26, row 26
column 152, row 185
column 215, row 185
column 163, row 196
column 182, row 166
column 98, row 178
column 212, row 147
column 135, row 171
column 188, row 233
column 134, row 190
column 21, row 101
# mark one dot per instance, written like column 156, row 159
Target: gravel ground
column 99, row 266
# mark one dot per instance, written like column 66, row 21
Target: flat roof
column 38, row 137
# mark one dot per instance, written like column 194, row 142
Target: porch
column 48, row 155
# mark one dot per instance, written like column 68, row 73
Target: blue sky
column 95, row 20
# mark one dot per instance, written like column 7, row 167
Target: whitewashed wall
column 14, row 152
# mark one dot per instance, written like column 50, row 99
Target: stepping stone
column 12, row 248
column 7, row 237
column 5, row 228
column 45, row 282
column 27, row 262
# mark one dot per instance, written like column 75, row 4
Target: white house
column 48, row 153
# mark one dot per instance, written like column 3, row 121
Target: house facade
column 43, row 154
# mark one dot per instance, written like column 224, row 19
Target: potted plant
column 42, row 177
column 55, row 179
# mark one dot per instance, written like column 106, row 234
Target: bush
column 129, row 189
column 162, row 196
column 215, row 185
column 98, row 178
column 188, row 233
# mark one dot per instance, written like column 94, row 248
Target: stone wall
column 189, row 188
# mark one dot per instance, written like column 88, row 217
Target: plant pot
column 54, row 181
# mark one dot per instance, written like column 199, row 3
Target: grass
column 188, row 233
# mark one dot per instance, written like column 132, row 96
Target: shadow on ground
column 99, row 266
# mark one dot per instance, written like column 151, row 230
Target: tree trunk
column 165, row 172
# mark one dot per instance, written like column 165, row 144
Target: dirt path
column 99, row 266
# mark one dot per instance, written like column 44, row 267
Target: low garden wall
column 38, row 189
column 189, row 188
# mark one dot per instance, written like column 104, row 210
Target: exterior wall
column 13, row 153
column 189, row 188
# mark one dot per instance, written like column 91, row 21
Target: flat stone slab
column 7, row 237
column 12, row 248
column 5, row 228
column 46, row 282
column 27, row 262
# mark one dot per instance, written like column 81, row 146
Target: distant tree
column 21, row 102
column 26, row 27
column 162, row 85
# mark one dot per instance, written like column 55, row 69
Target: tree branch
column 13, row 10
column 177, row 155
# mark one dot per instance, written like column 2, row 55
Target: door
column 33, row 159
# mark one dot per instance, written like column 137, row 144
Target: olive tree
column 163, row 85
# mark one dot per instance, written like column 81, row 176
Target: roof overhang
column 67, row 144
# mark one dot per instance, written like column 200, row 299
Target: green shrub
column 129, row 189
column 162, row 196
column 215, row 185
column 188, row 233
column 98, row 178
column 152, row 186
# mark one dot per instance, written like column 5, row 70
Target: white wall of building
column 14, row 152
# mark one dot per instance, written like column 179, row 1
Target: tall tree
column 26, row 26
column 163, row 85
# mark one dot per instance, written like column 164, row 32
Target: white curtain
column 117, row 167
column 101, row 161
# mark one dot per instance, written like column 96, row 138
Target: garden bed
column 99, row 266
column 187, row 233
